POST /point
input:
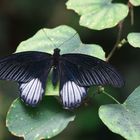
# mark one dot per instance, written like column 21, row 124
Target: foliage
column 123, row 118
column 135, row 2
column 98, row 14
column 134, row 39
column 49, row 119
column 44, row 121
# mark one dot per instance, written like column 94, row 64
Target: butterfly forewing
column 86, row 70
column 23, row 67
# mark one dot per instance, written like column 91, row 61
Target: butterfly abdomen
column 56, row 56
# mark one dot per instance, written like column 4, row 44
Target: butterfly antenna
column 61, row 43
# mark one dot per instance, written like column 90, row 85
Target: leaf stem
column 131, row 12
column 117, row 41
column 110, row 96
column 132, row 15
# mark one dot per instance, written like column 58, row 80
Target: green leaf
column 135, row 2
column 134, row 39
column 98, row 14
column 42, row 122
column 63, row 37
column 123, row 119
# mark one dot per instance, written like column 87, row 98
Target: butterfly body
column 76, row 72
column 55, row 65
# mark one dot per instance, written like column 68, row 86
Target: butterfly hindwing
column 32, row 92
column 86, row 70
column 22, row 67
column 71, row 94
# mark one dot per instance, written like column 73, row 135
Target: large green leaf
column 135, row 2
column 63, row 37
column 98, row 14
column 123, row 119
column 48, row 119
column 134, row 39
column 44, row 121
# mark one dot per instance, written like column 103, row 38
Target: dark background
column 21, row 19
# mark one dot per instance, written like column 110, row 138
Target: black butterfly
column 76, row 72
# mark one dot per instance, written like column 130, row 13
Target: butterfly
column 75, row 72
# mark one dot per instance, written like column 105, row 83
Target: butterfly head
column 56, row 50
column 56, row 54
